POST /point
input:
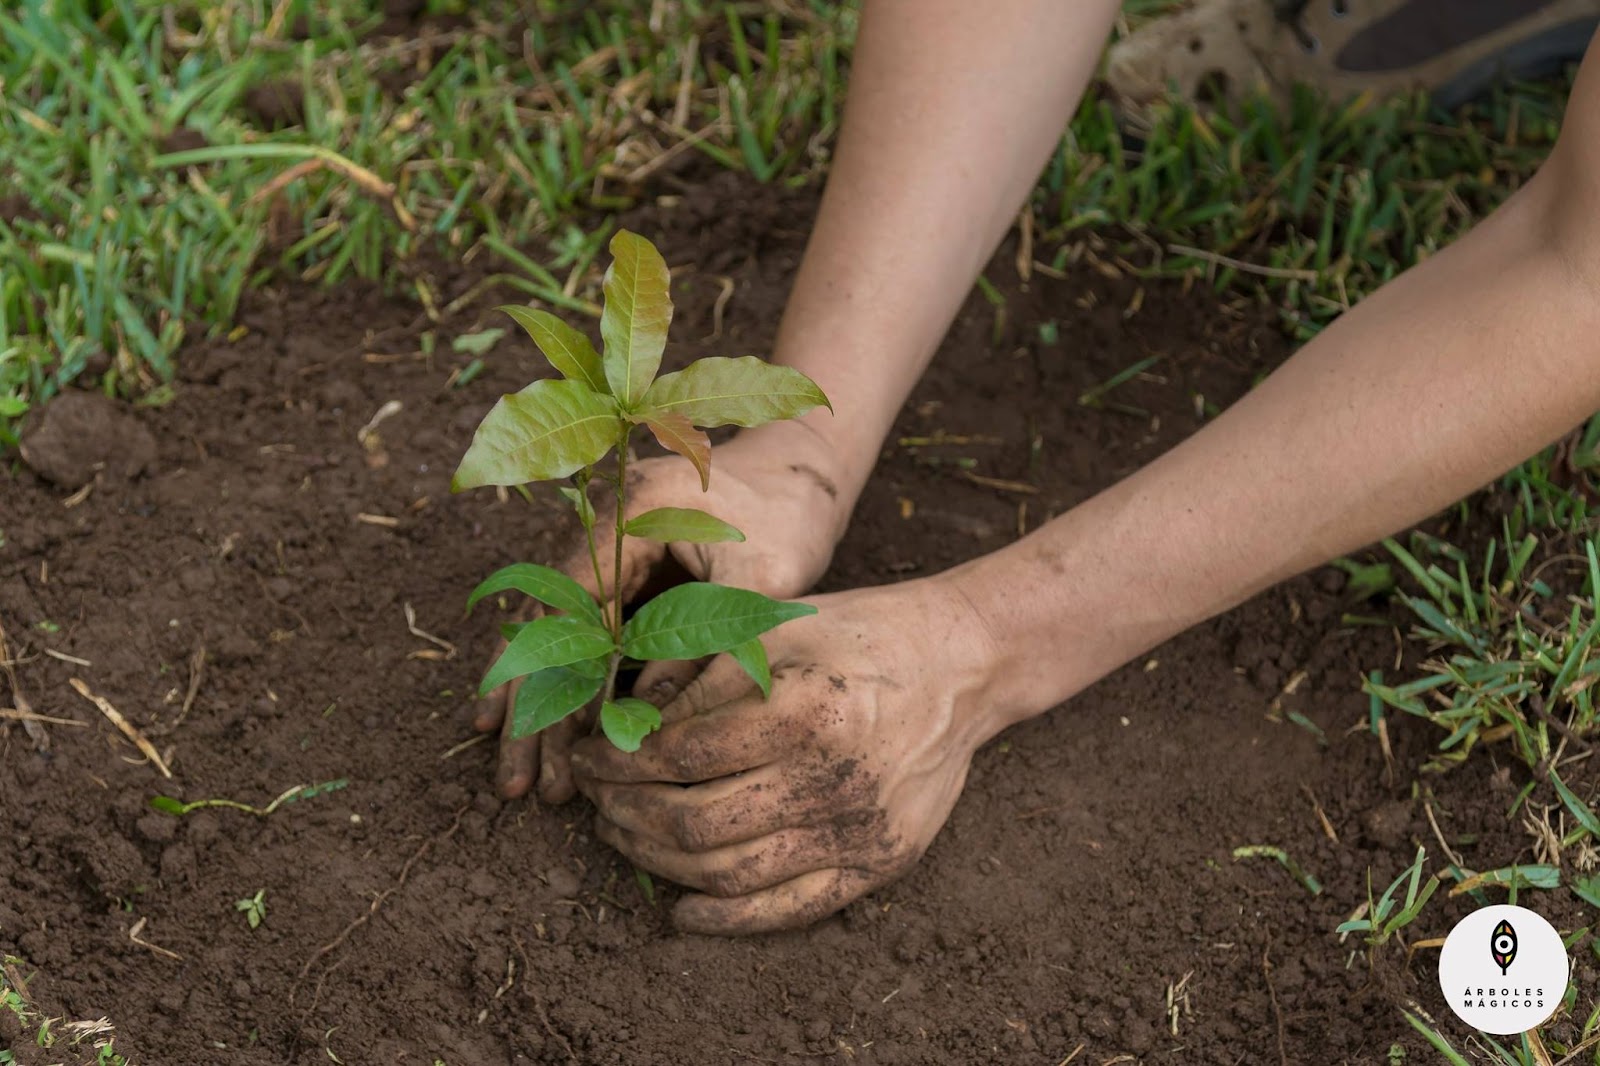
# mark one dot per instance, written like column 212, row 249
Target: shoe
column 1221, row 50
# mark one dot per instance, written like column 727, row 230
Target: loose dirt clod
column 79, row 434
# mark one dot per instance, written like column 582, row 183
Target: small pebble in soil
column 1388, row 825
column 563, row 882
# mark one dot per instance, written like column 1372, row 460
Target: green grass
column 113, row 248
column 1316, row 207
column 1505, row 653
column 87, row 1042
column 1502, row 640
column 128, row 240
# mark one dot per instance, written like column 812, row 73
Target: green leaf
column 668, row 524
column 735, row 392
column 628, row 721
column 647, row 887
column 568, row 350
column 633, row 323
column 1580, row 810
column 548, row 430
column 168, row 805
column 677, row 434
column 545, row 698
column 543, row 643
column 547, row 585
column 477, row 343
column 698, row 619
column 1513, row 877
column 1587, row 889
column 753, row 657
column 580, row 503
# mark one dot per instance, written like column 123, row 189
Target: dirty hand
column 784, row 502
column 797, row 805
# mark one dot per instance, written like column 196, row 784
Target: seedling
column 254, row 908
column 563, row 428
column 1298, row 872
column 178, row 808
column 1380, row 919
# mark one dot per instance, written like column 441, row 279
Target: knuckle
column 828, row 725
column 724, row 883
column 689, row 830
column 686, row 759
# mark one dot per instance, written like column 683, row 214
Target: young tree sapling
column 563, row 428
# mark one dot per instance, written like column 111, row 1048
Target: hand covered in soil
column 835, row 786
column 787, row 508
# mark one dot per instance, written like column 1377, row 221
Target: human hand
column 835, row 786
column 782, row 499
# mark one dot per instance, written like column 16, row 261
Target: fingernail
column 514, row 785
column 581, row 762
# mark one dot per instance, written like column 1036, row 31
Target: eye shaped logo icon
column 1503, row 945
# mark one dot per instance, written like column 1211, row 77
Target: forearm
column 953, row 109
column 1450, row 375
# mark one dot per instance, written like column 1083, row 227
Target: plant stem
column 622, row 510
column 616, row 569
column 594, row 553
column 610, row 690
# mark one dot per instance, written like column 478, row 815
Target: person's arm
column 953, row 109
column 1451, row 374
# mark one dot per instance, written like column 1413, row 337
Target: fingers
column 555, row 765
column 515, row 773
column 792, row 904
column 731, row 871
column 714, row 815
column 659, row 683
column 488, row 712
column 721, row 682
column 724, row 741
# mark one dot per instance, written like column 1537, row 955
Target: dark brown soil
column 276, row 103
column 415, row 918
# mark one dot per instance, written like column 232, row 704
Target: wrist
column 972, row 664
column 1044, row 640
column 801, row 453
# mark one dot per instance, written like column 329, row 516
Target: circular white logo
column 1503, row 970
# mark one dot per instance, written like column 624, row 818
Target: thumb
column 660, row 681
column 722, row 681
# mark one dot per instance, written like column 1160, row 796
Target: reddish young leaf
column 676, row 434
